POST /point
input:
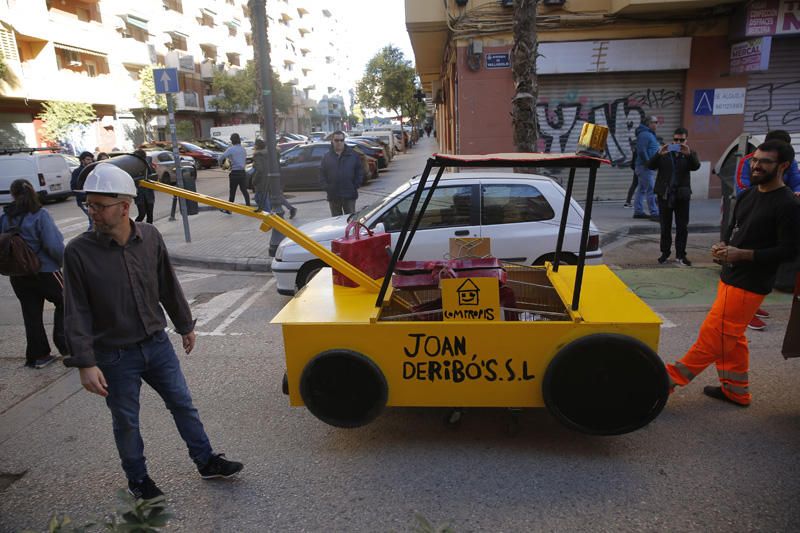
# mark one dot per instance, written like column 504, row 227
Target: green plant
column 60, row 117
column 133, row 516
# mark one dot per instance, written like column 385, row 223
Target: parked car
column 518, row 213
column 300, row 166
column 49, row 173
column 163, row 165
column 369, row 148
column 316, row 136
column 383, row 140
column 203, row 157
column 219, row 145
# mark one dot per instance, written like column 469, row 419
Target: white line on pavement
column 241, row 309
column 206, row 312
column 667, row 322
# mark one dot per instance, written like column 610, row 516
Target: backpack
column 16, row 257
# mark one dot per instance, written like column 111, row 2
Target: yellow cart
column 578, row 341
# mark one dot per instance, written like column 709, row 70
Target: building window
column 248, row 38
column 133, row 73
column 81, row 61
column 246, row 11
column 179, row 42
column 233, row 59
column 132, row 32
column 232, row 30
column 85, row 12
column 206, row 18
column 174, row 5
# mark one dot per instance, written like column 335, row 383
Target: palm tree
column 523, row 66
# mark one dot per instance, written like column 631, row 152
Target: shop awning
column 79, row 50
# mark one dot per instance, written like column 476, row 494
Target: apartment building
column 93, row 51
column 307, row 54
column 718, row 68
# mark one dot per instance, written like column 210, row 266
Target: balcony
column 47, row 84
column 187, row 101
column 208, row 68
column 131, row 52
column 180, row 60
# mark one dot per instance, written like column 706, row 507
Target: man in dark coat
column 673, row 189
column 341, row 174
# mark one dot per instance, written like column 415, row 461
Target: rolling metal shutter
column 617, row 100
column 773, row 96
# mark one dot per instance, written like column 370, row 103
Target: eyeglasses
column 679, row 139
column 762, row 161
column 99, row 208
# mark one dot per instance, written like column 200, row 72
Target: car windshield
column 192, row 147
column 370, row 210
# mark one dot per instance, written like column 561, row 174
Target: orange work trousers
column 721, row 340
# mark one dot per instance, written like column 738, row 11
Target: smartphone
column 674, row 147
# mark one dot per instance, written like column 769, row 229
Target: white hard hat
column 109, row 179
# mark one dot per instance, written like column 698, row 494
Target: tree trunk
column 523, row 66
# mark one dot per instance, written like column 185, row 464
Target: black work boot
column 716, row 392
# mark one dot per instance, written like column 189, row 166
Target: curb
column 614, row 235
column 248, row 265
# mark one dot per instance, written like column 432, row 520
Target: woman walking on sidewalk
column 43, row 237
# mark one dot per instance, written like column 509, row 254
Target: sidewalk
column 232, row 242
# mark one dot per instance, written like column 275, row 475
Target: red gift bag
column 369, row 253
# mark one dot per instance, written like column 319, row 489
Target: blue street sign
column 498, row 60
column 166, row 80
column 703, row 102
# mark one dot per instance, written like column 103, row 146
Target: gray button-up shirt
column 112, row 292
column 237, row 155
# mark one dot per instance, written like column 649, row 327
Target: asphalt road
column 702, row 465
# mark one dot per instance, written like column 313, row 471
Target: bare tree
column 523, row 66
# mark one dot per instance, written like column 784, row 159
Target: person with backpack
column 34, row 283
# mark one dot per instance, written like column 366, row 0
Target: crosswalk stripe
column 242, row 308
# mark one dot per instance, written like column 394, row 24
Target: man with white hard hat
column 115, row 278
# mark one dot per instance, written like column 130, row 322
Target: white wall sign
column 624, row 55
column 729, row 101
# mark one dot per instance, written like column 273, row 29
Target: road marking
column 208, row 311
column 233, row 316
column 188, row 277
column 667, row 322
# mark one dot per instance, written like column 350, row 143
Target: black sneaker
column 682, row 261
column 145, row 489
column 640, row 215
column 663, row 259
column 292, row 212
column 44, row 361
column 218, row 466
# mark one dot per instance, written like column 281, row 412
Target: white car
column 49, row 173
column 519, row 213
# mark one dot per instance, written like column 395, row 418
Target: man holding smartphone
column 673, row 188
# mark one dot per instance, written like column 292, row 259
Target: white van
column 247, row 132
column 49, row 174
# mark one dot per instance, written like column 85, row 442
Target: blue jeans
column 647, row 179
column 155, row 362
column 79, row 200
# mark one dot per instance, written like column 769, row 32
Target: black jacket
column 678, row 163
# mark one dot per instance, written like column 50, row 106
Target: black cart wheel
column 605, row 384
column 343, row 388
